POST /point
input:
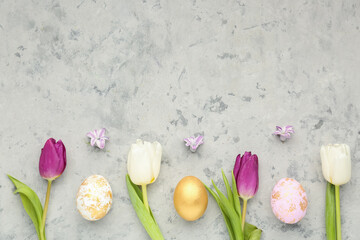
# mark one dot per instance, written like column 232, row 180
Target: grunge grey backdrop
column 164, row 70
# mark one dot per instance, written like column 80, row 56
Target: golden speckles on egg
column 94, row 198
column 289, row 201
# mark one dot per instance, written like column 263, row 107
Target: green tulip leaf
column 255, row 235
column 228, row 188
column 226, row 218
column 231, row 213
column 139, row 193
column 330, row 212
column 31, row 203
column 251, row 232
column 236, row 197
column 146, row 217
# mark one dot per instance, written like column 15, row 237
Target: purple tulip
column 246, row 172
column 52, row 159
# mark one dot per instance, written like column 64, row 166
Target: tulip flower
column 336, row 163
column 52, row 159
column 336, row 168
column 51, row 165
column 143, row 164
column 246, row 172
column 143, row 167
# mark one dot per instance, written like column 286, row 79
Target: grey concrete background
column 164, row 70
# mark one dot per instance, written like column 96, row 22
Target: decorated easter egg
column 94, row 198
column 190, row 198
column 289, row 201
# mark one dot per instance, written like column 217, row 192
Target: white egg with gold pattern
column 94, row 198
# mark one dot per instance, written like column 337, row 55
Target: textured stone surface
column 164, row 70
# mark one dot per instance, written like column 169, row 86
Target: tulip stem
column 145, row 198
column 243, row 214
column 46, row 206
column 338, row 217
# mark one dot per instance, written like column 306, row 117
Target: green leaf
column 228, row 189
column 330, row 212
column 31, row 203
column 236, row 197
column 255, row 235
column 143, row 214
column 231, row 213
column 226, row 219
column 139, row 193
column 251, row 232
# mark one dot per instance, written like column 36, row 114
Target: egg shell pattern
column 289, row 201
column 94, row 198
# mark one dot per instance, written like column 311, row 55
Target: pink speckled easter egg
column 289, row 201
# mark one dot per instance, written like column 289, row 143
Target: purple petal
column 102, row 132
column 277, row 133
column 92, row 141
column 245, row 157
column 248, row 178
column 52, row 159
column 187, row 140
column 100, row 143
column 193, row 142
column 278, row 128
column 237, row 166
column 199, row 140
column 90, row 135
column 288, row 128
column 96, row 133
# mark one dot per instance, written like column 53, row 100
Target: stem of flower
column 244, row 214
column 338, row 217
column 145, row 199
column 46, row 207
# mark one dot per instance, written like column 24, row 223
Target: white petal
column 342, row 164
column 156, row 163
column 139, row 164
column 325, row 163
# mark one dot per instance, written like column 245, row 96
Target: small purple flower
column 194, row 142
column 98, row 137
column 284, row 132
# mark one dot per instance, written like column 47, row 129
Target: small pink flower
column 194, row 142
column 98, row 137
column 284, row 132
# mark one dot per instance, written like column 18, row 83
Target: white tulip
column 144, row 161
column 336, row 163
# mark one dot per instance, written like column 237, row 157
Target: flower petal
column 139, row 164
column 90, row 134
column 92, row 141
column 102, row 132
column 237, row 166
column 100, row 143
column 248, row 179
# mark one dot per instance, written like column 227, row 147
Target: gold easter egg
column 190, row 198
